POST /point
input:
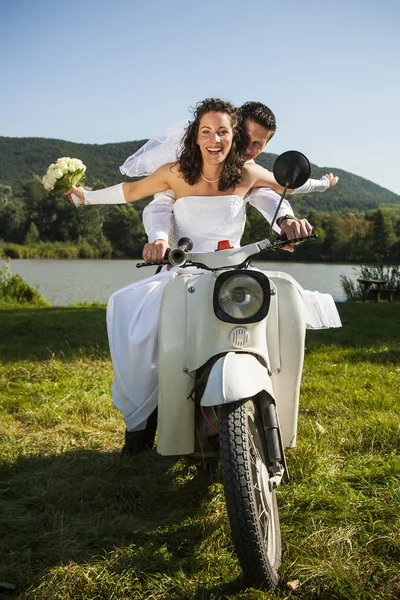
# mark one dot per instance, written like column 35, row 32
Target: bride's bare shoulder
column 253, row 167
column 172, row 170
column 253, row 171
column 168, row 172
column 170, row 167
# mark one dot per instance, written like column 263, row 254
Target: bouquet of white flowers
column 63, row 174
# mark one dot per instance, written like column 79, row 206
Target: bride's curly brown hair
column 190, row 159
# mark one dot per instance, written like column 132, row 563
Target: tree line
column 36, row 224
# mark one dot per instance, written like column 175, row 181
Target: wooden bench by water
column 377, row 288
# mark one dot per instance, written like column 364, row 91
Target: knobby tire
column 254, row 521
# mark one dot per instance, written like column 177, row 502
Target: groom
column 259, row 126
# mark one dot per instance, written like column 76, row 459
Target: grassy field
column 79, row 522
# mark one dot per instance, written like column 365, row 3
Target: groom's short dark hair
column 259, row 113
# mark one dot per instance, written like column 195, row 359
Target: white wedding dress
column 133, row 311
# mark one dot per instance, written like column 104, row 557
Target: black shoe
column 141, row 441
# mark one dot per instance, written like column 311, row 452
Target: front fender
column 236, row 376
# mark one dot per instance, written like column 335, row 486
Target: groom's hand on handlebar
column 295, row 228
column 155, row 251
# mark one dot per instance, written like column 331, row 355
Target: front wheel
column 251, row 504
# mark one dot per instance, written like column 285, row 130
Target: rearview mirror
column 291, row 169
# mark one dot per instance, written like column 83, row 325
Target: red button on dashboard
column 224, row 245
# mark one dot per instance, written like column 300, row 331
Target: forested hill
column 352, row 192
column 22, row 158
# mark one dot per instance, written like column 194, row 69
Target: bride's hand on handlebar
column 295, row 228
column 76, row 191
column 155, row 251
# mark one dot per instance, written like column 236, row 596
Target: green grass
column 78, row 522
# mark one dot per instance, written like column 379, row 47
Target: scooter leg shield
column 286, row 339
column 236, row 376
column 175, row 409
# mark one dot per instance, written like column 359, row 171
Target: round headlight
column 241, row 296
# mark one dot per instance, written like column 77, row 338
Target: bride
column 209, row 182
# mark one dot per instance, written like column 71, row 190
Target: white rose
column 78, row 164
column 58, row 174
column 71, row 168
column 62, row 163
column 63, row 166
column 48, row 183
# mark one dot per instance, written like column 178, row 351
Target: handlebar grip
column 284, row 238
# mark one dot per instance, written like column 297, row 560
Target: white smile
column 214, row 150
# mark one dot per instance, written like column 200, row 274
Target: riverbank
column 83, row 250
column 80, row 522
column 54, row 250
column 66, row 282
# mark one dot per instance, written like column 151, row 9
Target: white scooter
column 231, row 345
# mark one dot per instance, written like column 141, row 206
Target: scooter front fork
column 276, row 457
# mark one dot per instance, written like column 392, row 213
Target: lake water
column 64, row 282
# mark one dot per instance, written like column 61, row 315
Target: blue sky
column 99, row 71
